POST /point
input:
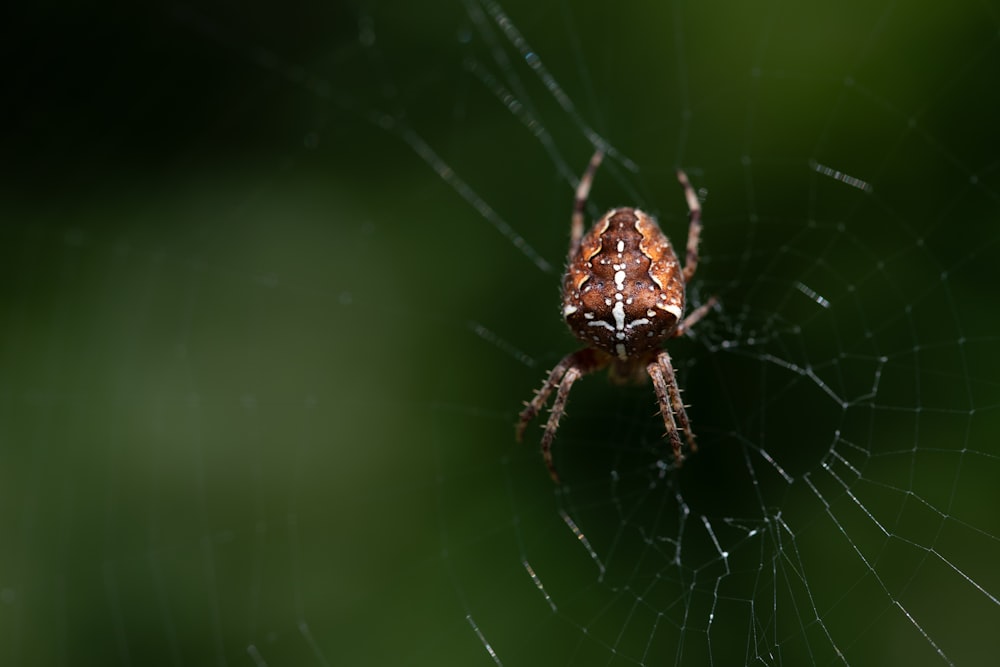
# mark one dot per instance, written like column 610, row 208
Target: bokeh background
column 276, row 279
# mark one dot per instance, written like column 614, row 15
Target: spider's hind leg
column 696, row 315
column 580, row 201
column 694, row 227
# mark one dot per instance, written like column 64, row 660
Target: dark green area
column 260, row 364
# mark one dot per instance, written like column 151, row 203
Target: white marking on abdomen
column 621, row 352
column 569, row 310
column 671, row 308
column 636, row 323
column 600, row 323
column 619, row 312
column 619, row 280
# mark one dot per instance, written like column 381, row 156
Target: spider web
column 276, row 285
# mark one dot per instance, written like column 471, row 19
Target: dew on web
column 840, row 176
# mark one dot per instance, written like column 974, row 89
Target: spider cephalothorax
column 623, row 295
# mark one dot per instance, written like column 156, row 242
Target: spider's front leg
column 668, row 395
column 552, row 425
column 571, row 368
column 532, row 407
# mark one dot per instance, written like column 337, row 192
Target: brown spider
column 623, row 295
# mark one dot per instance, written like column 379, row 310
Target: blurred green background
column 260, row 362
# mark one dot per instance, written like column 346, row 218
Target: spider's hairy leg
column 558, row 409
column 694, row 317
column 694, row 228
column 668, row 395
column 586, row 361
column 572, row 367
column 580, row 202
column 532, row 407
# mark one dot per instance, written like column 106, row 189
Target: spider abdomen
column 623, row 291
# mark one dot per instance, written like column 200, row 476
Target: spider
column 623, row 295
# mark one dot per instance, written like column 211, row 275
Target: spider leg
column 532, row 407
column 582, row 192
column 671, row 407
column 694, row 317
column 573, row 374
column 571, row 368
column 694, row 228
